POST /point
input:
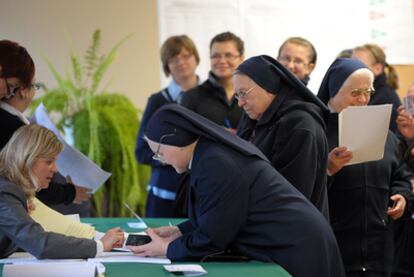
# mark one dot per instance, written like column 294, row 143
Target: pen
column 132, row 211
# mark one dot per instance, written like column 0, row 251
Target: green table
column 214, row 269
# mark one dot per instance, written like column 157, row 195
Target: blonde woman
column 27, row 164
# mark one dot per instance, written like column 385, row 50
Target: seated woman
column 359, row 194
column 27, row 164
column 238, row 201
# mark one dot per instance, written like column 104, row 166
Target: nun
column 359, row 195
column 238, row 203
column 285, row 120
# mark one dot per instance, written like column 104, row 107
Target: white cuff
column 99, row 248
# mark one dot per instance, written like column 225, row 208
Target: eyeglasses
column 36, row 86
column 361, row 91
column 13, row 89
column 287, row 60
column 242, row 95
column 227, row 56
column 157, row 155
column 178, row 58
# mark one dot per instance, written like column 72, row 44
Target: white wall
column 50, row 26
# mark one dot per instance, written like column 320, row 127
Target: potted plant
column 104, row 127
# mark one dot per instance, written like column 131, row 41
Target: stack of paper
column 363, row 130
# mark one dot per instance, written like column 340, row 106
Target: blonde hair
column 26, row 146
column 378, row 56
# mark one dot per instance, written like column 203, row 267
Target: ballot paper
column 53, row 221
column 408, row 103
column 82, row 170
column 186, row 269
column 128, row 257
column 51, row 269
column 363, row 130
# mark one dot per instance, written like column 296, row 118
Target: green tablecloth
column 213, row 269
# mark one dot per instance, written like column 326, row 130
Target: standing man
column 299, row 56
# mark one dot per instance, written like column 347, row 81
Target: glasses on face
column 13, row 89
column 296, row 61
column 36, row 86
column 227, row 56
column 242, row 95
column 368, row 92
column 178, row 58
column 157, row 155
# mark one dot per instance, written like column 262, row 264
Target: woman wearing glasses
column 214, row 99
column 239, row 204
column 286, row 122
column 363, row 198
column 179, row 58
column 18, row 71
column 386, row 78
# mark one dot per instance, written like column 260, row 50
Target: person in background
column 214, row 99
column 403, row 264
column 18, row 71
column 239, row 203
column 286, row 121
column 179, row 57
column 3, row 86
column 346, row 53
column 386, row 78
column 364, row 198
column 27, row 164
column 299, row 56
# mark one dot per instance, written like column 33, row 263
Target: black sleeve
column 58, row 192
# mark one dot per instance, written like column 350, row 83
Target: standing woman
column 179, row 58
column 214, row 99
column 286, row 122
column 386, row 78
column 27, row 164
column 359, row 195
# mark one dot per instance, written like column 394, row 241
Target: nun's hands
column 157, row 247
column 337, row 158
column 397, row 210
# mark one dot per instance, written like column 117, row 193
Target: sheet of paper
column 363, row 130
column 53, row 221
column 55, row 269
column 83, row 171
column 128, row 257
column 187, row 269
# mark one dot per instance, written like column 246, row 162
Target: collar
column 174, row 90
column 11, row 110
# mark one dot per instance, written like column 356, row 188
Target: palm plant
column 104, row 126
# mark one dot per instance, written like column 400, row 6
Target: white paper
column 51, row 269
column 363, row 130
column 82, row 170
column 128, row 257
column 137, row 225
column 187, row 269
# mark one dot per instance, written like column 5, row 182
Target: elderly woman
column 359, row 195
column 179, row 59
column 238, row 201
column 27, row 164
column 286, row 122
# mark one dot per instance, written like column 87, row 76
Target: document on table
column 363, row 130
column 186, row 269
column 55, row 268
column 83, row 171
column 53, row 221
column 128, row 257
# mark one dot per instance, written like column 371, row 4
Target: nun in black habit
column 237, row 201
column 359, row 194
column 286, row 121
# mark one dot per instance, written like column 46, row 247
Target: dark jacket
column 210, row 100
column 386, row 95
column 241, row 203
column 358, row 201
column 164, row 179
column 19, row 231
column 59, row 191
column 291, row 133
